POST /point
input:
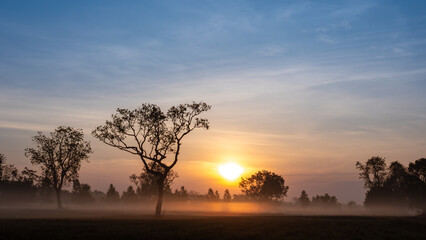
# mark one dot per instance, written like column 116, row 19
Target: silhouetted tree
column 60, row 156
column 147, row 183
column 264, row 185
column 14, row 186
column 81, row 193
column 303, row 200
column 2, row 163
column 324, row 201
column 99, row 196
column 182, row 194
column 396, row 177
column 210, row 194
column 227, row 196
column 403, row 188
column 418, row 168
column 28, row 175
column 398, row 186
column 8, row 172
column 216, row 195
column 373, row 172
column 129, row 196
column 153, row 135
column 112, row 196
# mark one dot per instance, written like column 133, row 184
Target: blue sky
column 304, row 88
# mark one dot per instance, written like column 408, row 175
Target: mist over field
column 144, row 210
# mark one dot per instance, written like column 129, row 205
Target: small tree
column 210, row 194
column 324, row 201
column 264, row 185
column 182, row 194
column 112, row 196
column 129, row 196
column 81, row 193
column 227, row 196
column 303, row 200
column 153, row 136
column 8, row 172
column 147, row 183
column 216, row 195
column 99, row 196
column 59, row 156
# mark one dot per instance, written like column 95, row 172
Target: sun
column 230, row 171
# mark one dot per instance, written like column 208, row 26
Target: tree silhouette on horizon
column 60, row 156
column 394, row 186
column 147, row 183
column 112, row 195
column 264, row 185
column 227, row 196
column 153, row 135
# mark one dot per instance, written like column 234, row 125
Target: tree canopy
column 396, row 185
column 153, row 135
column 264, row 185
column 373, row 171
column 60, row 156
column 303, row 200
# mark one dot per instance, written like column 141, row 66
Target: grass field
column 124, row 226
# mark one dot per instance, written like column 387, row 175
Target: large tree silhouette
column 264, row 185
column 59, row 156
column 154, row 136
column 395, row 186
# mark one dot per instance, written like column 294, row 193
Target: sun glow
column 230, row 171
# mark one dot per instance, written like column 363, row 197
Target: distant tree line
column 323, row 201
column 261, row 186
column 27, row 186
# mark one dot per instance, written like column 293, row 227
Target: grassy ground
column 216, row 227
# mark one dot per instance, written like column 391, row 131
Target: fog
column 191, row 208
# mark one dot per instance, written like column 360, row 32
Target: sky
column 301, row 88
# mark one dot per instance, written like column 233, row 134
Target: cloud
column 329, row 33
column 325, row 38
column 342, row 26
column 292, row 11
column 271, row 51
column 400, row 52
column 353, row 10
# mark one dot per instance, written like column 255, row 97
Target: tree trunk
column 58, row 198
column 160, row 196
